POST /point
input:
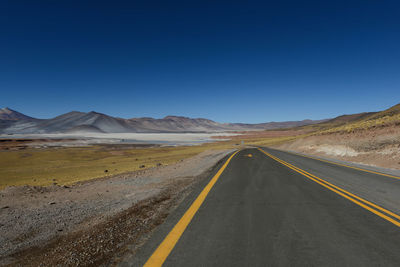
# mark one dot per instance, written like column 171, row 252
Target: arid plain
column 68, row 200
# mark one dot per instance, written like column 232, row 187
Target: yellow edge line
column 332, row 188
column 164, row 249
column 344, row 165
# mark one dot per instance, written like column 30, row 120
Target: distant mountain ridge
column 364, row 120
column 13, row 122
column 12, row 115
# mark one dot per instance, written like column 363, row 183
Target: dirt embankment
column 376, row 147
column 92, row 222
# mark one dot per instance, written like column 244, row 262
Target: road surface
column 273, row 208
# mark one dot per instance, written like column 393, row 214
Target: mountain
column 12, row 115
column 350, row 118
column 175, row 124
column 94, row 122
column 184, row 124
column 98, row 121
column 359, row 121
column 70, row 123
column 390, row 112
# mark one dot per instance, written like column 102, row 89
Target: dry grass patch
column 63, row 166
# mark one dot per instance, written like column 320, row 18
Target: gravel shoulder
column 91, row 222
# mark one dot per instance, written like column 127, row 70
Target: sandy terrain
column 376, row 147
column 91, row 222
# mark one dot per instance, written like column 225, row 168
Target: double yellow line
column 344, row 165
column 381, row 212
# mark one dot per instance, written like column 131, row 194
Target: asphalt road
column 261, row 212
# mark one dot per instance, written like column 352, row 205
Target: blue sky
column 244, row 61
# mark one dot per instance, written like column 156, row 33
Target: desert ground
column 91, row 222
column 83, row 201
column 61, row 202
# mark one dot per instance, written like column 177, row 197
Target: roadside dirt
column 90, row 223
column 378, row 147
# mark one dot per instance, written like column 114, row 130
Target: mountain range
column 14, row 122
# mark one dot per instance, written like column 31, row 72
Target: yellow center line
column 344, row 191
column 164, row 249
column 344, row 165
column 355, row 199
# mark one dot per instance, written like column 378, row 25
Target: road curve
column 270, row 209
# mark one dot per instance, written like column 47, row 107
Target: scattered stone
column 105, row 170
column 104, row 237
column 5, row 207
column 65, row 186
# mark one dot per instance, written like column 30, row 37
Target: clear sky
column 233, row 61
